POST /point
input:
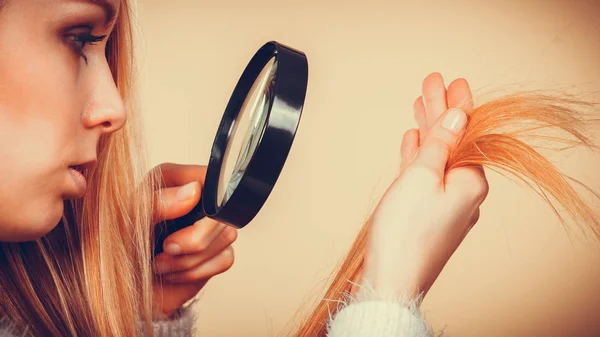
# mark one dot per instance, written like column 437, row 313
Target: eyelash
column 78, row 42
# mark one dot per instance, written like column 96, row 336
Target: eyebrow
column 109, row 10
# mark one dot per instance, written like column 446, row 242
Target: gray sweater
column 359, row 318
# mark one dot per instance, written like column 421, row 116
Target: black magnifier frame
column 284, row 110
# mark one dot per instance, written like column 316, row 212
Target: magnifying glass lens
column 246, row 131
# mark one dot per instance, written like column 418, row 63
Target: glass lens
column 246, row 132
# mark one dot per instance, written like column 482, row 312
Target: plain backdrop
column 518, row 273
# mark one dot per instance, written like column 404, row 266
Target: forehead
column 110, row 7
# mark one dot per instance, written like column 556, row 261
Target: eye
column 78, row 40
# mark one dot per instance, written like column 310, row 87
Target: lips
column 77, row 176
column 78, row 168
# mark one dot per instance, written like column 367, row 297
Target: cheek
column 35, row 139
column 31, row 179
column 39, row 106
column 39, row 123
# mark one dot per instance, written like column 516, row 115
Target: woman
column 77, row 207
column 75, row 263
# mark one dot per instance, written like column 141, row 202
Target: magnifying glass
column 252, row 142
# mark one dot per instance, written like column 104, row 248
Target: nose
column 105, row 108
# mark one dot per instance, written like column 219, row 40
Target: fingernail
column 173, row 249
column 161, row 267
column 454, row 120
column 187, row 191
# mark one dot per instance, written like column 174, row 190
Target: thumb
column 175, row 202
column 442, row 138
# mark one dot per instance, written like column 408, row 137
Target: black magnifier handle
column 163, row 230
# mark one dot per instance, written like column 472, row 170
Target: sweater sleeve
column 377, row 316
column 181, row 324
column 7, row 329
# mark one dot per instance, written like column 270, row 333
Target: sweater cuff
column 180, row 324
column 377, row 316
column 7, row 328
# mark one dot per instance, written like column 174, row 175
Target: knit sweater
column 359, row 318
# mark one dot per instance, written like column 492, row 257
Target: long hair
column 502, row 135
column 91, row 275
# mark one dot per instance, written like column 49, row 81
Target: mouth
column 78, row 177
column 84, row 166
column 77, row 168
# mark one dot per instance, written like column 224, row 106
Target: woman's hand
column 427, row 211
column 191, row 255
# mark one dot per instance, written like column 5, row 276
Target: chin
column 41, row 221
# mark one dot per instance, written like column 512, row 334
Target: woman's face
column 57, row 97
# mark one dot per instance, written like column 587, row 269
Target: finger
column 441, row 139
column 215, row 266
column 434, row 97
column 194, row 238
column 420, row 115
column 475, row 218
column 175, row 202
column 409, row 147
column 165, row 263
column 468, row 183
column 178, row 175
column 460, row 96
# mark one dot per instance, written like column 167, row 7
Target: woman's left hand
column 191, row 255
column 428, row 210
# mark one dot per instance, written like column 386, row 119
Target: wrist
column 390, row 283
column 169, row 314
column 398, row 291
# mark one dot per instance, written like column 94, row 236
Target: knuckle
column 187, row 263
column 198, row 240
column 201, row 244
column 475, row 219
column 225, row 266
column 230, row 235
column 228, row 259
column 476, row 188
column 162, row 167
column 441, row 143
column 480, row 189
column 228, row 254
column 419, row 173
column 157, row 201
column 177, row 278
column 195, row 274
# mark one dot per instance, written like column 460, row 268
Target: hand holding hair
column 434, row 202
column 428, row 210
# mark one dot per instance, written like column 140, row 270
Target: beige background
column 517, row 274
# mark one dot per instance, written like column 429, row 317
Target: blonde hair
column 91, row 275
column 500, row 135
